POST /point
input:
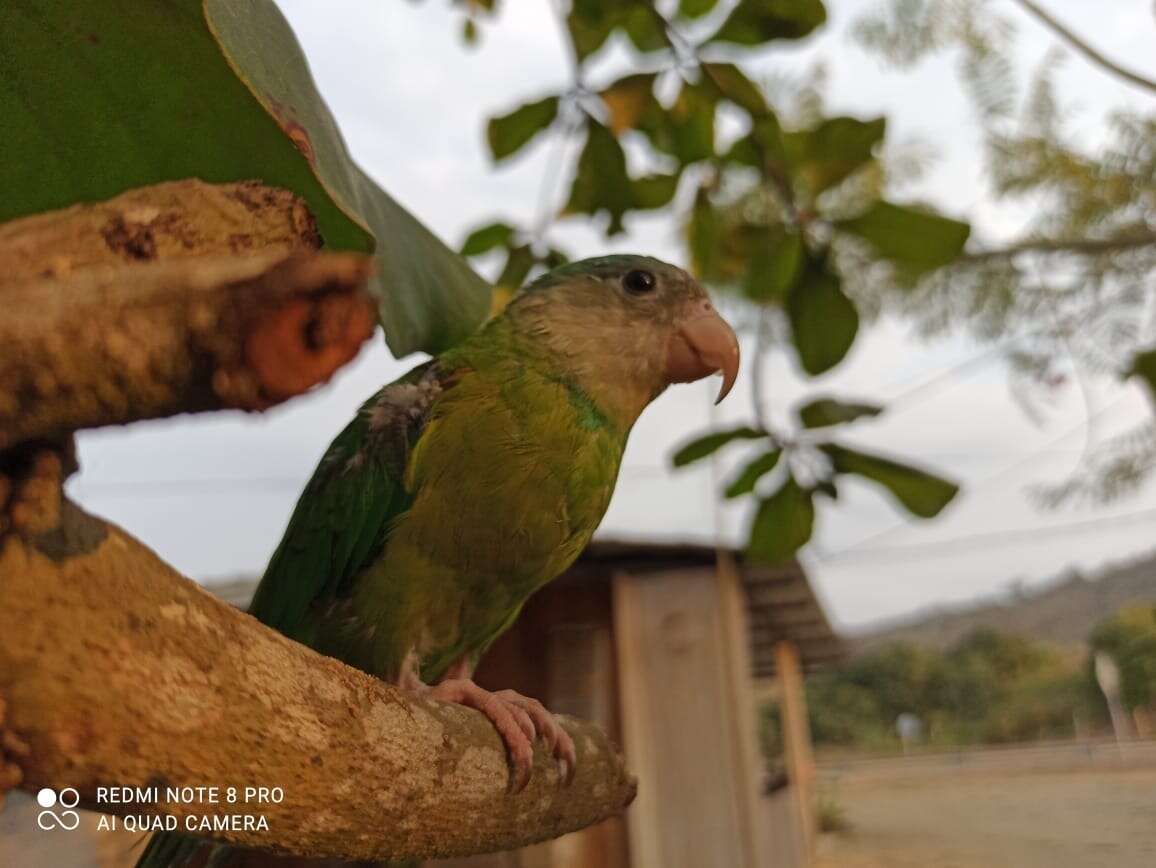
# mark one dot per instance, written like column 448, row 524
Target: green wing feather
column 340, row 522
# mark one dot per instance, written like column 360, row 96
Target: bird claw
column 519, row 720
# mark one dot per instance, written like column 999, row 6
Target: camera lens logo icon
column 57, row 813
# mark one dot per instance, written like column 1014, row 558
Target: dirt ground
column 991, row 819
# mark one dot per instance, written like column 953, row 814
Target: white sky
column 212, row 493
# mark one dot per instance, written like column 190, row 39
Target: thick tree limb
column 114, row 670
column 176, row 298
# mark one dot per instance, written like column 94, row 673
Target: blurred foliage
column 1071, row 295
column 989, row 688
column 767, row 201
column 1129, row 638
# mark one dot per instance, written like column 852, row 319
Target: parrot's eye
column 639, row 282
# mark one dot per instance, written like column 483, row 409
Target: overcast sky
column 212, row 493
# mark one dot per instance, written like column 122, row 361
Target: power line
column 1000, row 474
column 993, row 537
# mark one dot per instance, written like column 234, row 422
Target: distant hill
column 1063, row 611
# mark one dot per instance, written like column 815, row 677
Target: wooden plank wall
column 681, row 722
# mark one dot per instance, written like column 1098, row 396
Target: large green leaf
column 774, row 267
column 600, row 182
column 590, row 23
column 783, row 523
column 753, row 22
column 755, row 470
column 824, row 320
column 701, row 447
column 509, row 133
column 733, row 85
column 828, row 411
column 917, row 239
column 703, row 233
column 921, row 493
column 654, row 191
column 692, row 123
column 428, row 296
column 827, row 153
column 103, row 96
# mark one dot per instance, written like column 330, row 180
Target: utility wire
column 989, row 538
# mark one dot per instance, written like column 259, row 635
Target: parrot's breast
column 509, row 480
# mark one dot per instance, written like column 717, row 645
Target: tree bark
column 176, row 298
column 115, row 670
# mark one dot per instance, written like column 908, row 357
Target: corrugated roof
column 781, row 602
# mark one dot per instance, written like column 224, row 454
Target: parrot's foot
column 518, row 720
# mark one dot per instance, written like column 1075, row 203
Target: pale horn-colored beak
column 703, row 343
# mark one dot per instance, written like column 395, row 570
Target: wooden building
column 668, row 647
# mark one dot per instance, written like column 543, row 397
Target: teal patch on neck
column 590, row 415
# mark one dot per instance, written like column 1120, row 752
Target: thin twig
column 1077, row 246
column 1085, row 49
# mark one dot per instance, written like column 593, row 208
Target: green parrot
column 476, row 478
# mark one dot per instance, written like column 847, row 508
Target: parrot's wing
column 343, row 516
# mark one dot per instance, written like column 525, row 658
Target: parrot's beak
column 702, row 344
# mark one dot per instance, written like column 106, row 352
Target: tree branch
column 1075, row 246
column 1084, row 48
column 115, row 670
column 175, row 298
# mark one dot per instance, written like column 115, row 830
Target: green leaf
column 734, row 86
column 487, row 238
column 754, row 22
column 701, row 447
column 703, row 233
column 1144, row 366
column 828, row 411
column 917, row 239
column 826, row 154
column 692, row 124
column 921, row 493
column 695, row 8
column 745, row 482
column 600, row 182
column 783, row 524
column 824, row 320
column 104, row 96
column 590, row 22
column 653, row 191
column 774, row 267
column 643, row 27
column 507, row 134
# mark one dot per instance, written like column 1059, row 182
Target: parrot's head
column 626, row 327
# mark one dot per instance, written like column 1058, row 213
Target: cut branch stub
column 115, row 670
column 179, row 298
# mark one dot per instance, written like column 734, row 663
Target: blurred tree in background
column 776, row 204
column 989, row 688
column 1071, row 296
column 1129, row 638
